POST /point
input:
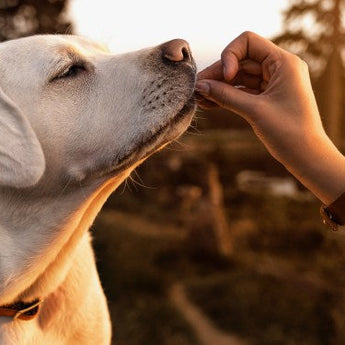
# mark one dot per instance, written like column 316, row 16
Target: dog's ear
column 22, row 161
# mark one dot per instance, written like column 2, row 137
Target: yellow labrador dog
column 75, row 121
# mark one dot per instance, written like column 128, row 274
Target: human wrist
column 319, row 166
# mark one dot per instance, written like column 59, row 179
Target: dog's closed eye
column 70, row 71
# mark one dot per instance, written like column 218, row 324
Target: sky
column 208, row 26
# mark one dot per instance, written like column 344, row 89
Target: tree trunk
column 330, row 97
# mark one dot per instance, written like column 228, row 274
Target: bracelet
column 334, row 215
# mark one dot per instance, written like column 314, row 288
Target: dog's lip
column 135, row 156
column 188, row 107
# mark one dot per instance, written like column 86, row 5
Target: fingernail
column 226, row 72
column 202, row 87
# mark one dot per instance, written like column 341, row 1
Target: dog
column 75, row 121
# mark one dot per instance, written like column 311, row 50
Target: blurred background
column 211, row 241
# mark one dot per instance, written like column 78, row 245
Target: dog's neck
column 36, row 251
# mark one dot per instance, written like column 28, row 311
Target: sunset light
column 152, row 194
column 208, row 26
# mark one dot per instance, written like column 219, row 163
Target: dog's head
column 71, row 110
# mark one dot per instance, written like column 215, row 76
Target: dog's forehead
column 48, row 45
column 29, row 61
column 82, row 43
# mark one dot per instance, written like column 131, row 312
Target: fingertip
column 227, row 73
column 202, row 75
column 213, row 71
column 230, row 67
column 202, row 87
column 207, row 105
column 228, row 97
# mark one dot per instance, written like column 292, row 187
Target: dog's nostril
column 176, row 51
column 185, row 53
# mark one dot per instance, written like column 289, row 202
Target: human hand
column 271, row 89
column 267, row 86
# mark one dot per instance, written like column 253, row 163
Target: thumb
column 227, row 96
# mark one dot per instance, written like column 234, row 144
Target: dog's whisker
column 135, row 171
column 141, row 183
column 182, row 146
column 132, row 183
column 194, row 130
column 125, row 186
column 66, row 186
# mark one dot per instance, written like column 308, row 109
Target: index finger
column 215, row 71
column 247, row 46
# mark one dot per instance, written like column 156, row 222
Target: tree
column 314, row 31
column 20, row 18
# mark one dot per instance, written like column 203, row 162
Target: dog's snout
column 176, row 51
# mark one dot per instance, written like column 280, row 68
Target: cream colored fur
column 66, row 143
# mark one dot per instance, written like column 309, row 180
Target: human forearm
column 319, row 166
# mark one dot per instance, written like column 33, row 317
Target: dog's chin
column 166, row 134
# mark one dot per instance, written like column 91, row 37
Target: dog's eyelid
column 70, row 69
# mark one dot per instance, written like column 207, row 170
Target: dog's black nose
column 176, row 51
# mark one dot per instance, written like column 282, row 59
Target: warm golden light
column 208, row 26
